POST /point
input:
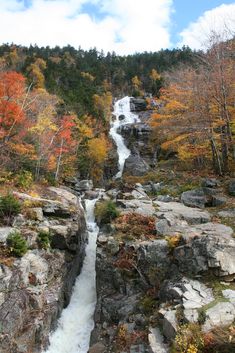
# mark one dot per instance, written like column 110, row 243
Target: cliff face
column 161, row 265
column 35, row 288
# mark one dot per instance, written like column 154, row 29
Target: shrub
column 105, row 211
column 24, row 179
column 17, row 244
column 135, row 225
column 44, row 239
column 189, row 339
column 9, row 207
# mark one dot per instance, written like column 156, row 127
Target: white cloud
column 219, row 21
column 127, row 26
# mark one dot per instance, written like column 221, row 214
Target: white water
column 76, row 322
column 122, row 106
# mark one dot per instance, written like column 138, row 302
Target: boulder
column 229, row 294
column 169, row 323
column 231, row 187
column 156, row 341
column 84, row 185
column 221, row 314
column 64, row 195
column 212, row 249
column 191, row 294
column 210, row 183
column 56, row 210
column 191, row 315
column 194, row 198
column 173, row 211
column 153, row 259
column 4, row 232
column 135, row 165
column 138, row 104
column 97, row 348
column 143, row 207
column 228, row 213
column 121, row 117
column 36, row 213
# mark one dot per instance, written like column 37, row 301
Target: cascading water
column 76, row 322
column 122, row 107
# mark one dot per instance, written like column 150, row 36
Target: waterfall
column 122, row 107
column 76, row 322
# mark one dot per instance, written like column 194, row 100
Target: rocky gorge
column 165, row 258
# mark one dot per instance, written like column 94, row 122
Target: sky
column 123, row 26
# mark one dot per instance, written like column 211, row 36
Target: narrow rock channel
column 76, row 322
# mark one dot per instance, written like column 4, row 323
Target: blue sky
column 187, row 11
column 125, row 26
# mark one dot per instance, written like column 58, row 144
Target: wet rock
column 121, row 117
column 137, row 104
column 38, row 286
column 91, row 194
column 135, row 165
column 222, row 314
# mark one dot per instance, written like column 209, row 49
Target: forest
column 56, row 104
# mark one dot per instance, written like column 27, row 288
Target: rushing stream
column 122, row 107
column 76, row 322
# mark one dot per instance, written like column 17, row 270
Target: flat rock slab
column 180, row 211
column 222, row 314
column 230, row 213
column 143, row 207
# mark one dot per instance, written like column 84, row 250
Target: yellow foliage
column 98, row 149
column 154, row 75
column 103, row 104
column 88, row 76
column 35, row 72
column 136, row 82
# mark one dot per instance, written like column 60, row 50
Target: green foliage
column 17, row 244
column 9, row 207
column 24, row 179
column 44, row 240
column 106, row 211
